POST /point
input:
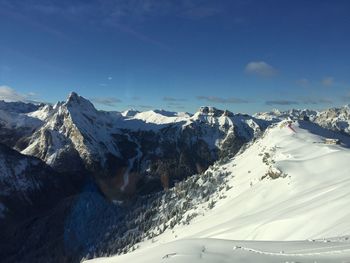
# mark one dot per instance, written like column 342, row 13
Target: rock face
column 130, row 153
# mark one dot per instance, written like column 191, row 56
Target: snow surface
column 42, row 114
column 161, row 117
column 221, row 251
column 307, row 200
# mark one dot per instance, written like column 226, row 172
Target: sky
column 242, row 55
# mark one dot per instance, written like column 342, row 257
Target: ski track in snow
column 282, row 253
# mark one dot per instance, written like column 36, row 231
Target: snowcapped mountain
column 73, row 130
column 337, row 119
column 287, row 185
column 277, row 115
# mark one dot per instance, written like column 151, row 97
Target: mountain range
column 77, row 182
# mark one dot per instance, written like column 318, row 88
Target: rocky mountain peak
column 76, row 101
column 227, row 113
column 214, row 112
column 73, row 96
column 211, row 111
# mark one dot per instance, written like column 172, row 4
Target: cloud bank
column 9, row 94
column 260, row 68
column 222, row 100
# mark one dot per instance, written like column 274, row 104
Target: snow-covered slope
column 161, row 117
column 314, row 182
column 13, row 120
column 227, row 251
column 287, row 185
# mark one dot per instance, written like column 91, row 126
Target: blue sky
column 242, row 55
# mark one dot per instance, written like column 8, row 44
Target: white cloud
column 109, row 78
column 304, row 82
column 260, row 68
column 328, row 81
column 9, row 94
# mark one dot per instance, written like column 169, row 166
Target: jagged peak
column 73, row 95
column 214, row 112
column 74, row 101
